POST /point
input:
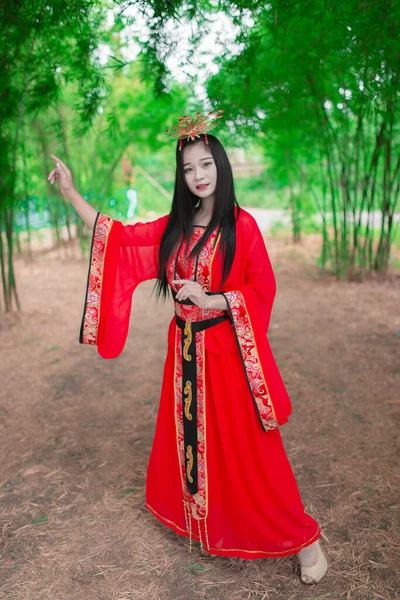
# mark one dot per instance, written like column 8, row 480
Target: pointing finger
column 59, row 163
column 54, row 157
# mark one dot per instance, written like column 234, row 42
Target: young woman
column 218, row 471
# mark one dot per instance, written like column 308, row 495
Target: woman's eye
column 206, row 164
column 186, row 171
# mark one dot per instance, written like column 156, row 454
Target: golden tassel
column 201, row 539
column 206, row 532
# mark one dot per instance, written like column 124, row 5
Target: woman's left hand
column 193, row 291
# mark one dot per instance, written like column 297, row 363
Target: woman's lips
column 202, row 186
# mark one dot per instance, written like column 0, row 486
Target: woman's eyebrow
column 204, row 158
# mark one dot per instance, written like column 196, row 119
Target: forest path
column 76, row 432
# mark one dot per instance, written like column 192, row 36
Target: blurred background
column 311, row 99
column 310, row 93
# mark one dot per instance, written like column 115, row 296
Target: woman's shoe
column 317, row 571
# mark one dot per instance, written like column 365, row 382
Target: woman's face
column 199, row 169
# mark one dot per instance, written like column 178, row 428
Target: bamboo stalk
column 3, row 269
column 153, row 182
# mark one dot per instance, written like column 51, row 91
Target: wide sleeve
column 121, row 257
column 250, row 307
column 259, row 289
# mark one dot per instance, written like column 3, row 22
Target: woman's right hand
column 63, row 175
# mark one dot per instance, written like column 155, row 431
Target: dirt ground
column 76, row 432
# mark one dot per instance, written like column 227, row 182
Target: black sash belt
column 189, row 392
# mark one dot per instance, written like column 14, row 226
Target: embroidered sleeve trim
column 91, row 311
column 251, row 361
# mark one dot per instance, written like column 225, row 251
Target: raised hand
column 62, row 174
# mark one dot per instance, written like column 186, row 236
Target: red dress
column 233, row 489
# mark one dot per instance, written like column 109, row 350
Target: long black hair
column 183, row 209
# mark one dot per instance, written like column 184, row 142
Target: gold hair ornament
column 189, row 128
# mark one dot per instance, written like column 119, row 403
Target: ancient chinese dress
column 218, row 471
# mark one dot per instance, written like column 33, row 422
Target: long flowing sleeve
column 121, row 257
column 250, row 308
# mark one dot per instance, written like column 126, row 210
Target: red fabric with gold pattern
column 251, row 359
column 250, row 291
column 123, row 256
column 184, row 264
column 91, row 314
column 248, row 504
column 180, row 266
column 195, row 504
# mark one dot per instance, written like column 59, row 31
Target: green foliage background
column 310, row 91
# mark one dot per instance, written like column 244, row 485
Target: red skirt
column 254, row 509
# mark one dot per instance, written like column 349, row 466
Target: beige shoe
column 316, row 572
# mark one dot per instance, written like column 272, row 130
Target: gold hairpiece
column 189, row 128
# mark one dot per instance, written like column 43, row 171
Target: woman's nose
column 198, row 173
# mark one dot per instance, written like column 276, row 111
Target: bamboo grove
column 313, row 85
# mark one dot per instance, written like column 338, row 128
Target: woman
column 218, row 471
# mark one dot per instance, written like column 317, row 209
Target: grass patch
column 127, row 491
column 41, row 519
